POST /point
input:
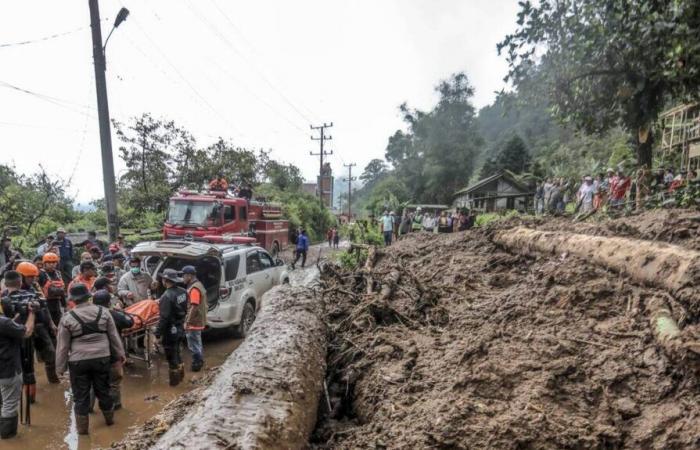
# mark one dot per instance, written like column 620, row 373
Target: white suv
column 235, row 276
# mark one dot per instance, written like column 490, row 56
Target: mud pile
column 452, row 342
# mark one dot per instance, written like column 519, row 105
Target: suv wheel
column 247, row 318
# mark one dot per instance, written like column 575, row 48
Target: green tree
column 374, row 170
column 437, row 154
column 604, row 63
column 512, row 155
column 285, row 177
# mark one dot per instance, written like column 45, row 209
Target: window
column 252, row 263
column 229, row 213
column 232, row 267
column 244, row 213
column 265, row 261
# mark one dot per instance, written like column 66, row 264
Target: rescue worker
column 44, row 330
column 302, row 249
column 88, row 343
column 219, row 183
column 134, row 285
column 122, row 321
column 87, row 276
column 13, row 335
column 196, row 319
column 170, row 329
column 53, row 287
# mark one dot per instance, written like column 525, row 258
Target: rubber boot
column 197, row 365
column 51, row 374
column 8, row 427
column 32, row 393
column 109, row 417
column 82, row 423
column 174, row 375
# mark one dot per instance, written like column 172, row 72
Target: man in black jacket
column 123, row 322
column 12, row 334
column 173, row 309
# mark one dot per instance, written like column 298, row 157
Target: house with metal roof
column 498, row 192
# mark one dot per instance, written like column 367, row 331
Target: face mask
column 136, row 270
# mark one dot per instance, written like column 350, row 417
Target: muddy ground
column 461, row 344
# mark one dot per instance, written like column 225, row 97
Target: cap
column 588, row 179
column 610, row 169
column 189, row 270
column 79, row 292
column 102, row 297
column 60, row 230
column 172, row 275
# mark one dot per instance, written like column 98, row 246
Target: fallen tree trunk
column 674, row 268
column 267, row 392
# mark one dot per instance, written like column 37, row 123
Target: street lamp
column 121, row 17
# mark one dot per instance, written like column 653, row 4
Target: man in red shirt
column 618, row 189
column 196, row 319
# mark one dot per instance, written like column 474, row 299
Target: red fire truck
column 219, row 217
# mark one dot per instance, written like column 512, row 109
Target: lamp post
column 98, row 54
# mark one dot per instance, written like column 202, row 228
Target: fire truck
column 221, row 218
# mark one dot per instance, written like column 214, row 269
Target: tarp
column 143, row 313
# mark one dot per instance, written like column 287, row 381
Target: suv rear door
column 270, row 269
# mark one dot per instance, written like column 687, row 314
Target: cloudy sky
column 256, row 72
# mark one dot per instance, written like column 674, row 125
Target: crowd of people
column 393, row 226
column 71, row 317
column 614, row 189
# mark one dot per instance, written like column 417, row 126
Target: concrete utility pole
column 350, row 179
column 103, row 116
column 321, row 154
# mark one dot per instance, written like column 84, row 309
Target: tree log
column 670, row 267
column 267, row 392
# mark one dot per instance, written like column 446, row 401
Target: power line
column 66, row 104
column 322, row 139
column 235, row 49
column 43, row 39
column 184, row 79
column 350, row 179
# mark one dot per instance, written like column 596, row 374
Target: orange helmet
column 27, row 269
column 50, row 257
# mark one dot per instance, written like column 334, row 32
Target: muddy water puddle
column 144, row 393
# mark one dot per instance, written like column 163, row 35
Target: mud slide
column 266, row 394
column 671, row 267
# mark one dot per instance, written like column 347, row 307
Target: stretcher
column 139, row 340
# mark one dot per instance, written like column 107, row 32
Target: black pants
column 171, row 346
column 27, row 355
column 86, row 375
column 54, row 307
column 43, row 343
column 300, row 254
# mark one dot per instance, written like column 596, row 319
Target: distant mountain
column 84, row 207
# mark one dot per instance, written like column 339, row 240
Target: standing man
column 52, row 286
column 45, row 246
column 387, row 223
column 12, row 335
column 196, row 319
column 173, row 310
column 122, row 321
column 88, row 344
column 87, row 276
column 134, row 285
column 302, row 249
column 65, row 252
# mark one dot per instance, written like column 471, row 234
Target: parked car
column 235, row 276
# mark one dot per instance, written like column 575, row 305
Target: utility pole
column 321, row 154
column 350, row 179
column 98, row 55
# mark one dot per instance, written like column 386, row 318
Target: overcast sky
column 258, row 72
